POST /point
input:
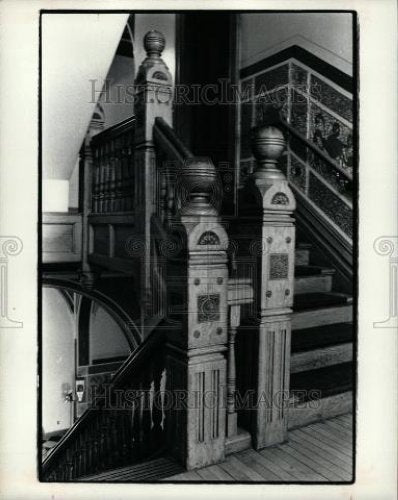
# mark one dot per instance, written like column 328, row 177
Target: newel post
column 197, row 362
column 86, row 188
column 153, row 98
column 275, row 288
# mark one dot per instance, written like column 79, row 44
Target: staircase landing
column 321, row 453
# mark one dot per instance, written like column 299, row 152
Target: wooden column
column 87, row 176
column 153, row 87
column 197, row 363
column 275, row 288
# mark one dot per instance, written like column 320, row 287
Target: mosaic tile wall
column 323, row 113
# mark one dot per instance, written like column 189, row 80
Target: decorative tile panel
column 299, row 78
column 271, row 79
column 331, row 135
column 298, row 148
column 278, row 266
column 329, row 174
column 297, row 173
column 331, row 204
column 278, row 98
column 299, row 112
column 208, row 308
column 331, row 98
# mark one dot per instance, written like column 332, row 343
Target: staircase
column 162, row 225
column 321, row 374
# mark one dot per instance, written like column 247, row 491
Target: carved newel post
column 197, row 355
column 275, row 289
column 154, row 98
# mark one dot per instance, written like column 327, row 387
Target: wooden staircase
column 321, row 374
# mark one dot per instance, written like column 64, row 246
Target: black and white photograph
column 198, row 249
column 198, row 241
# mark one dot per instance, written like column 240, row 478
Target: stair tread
column 308, row 270
column 315, row 300
column 308, row 339
column 329, row 380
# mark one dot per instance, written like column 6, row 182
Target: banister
column 134, row 361
column 114, row 131
column 310, row 145
column 128, row 326
column 169, row 133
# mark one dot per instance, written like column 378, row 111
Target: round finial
column 268, row 142
column 154, row 43
column 199, row 178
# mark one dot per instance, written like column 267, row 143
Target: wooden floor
column 320, row 452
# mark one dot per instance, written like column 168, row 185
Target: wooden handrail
column 324, row 156
column 126, row 323
column 114, row 131
column 168, row 133
column 122, row 377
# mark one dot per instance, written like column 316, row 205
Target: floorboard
column 320, row 452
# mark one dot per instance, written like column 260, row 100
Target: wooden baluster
column 147, row 413
column 112, row 175
column 82, row 454
column 101, row 195
column 130, row 182
column 111, row 438
column 95, row 180
column 95, row 448
column 75, row 457
column 232, row 422
column 136, row 424
column 108, row 168
column 157, row 414
column 119, row 179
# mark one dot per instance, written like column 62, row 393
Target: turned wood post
column 232, row 417
column 88, row 186
column 196, row 355
column 153, row 92
column 275, row 287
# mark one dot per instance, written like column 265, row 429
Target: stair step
column 302, row 414
column 302, row 256
column 312, row 270
column 323, row 316
column 311, row 284
column 320, row 358
column 321, row 383
column 307, row 301
column 150, row 470
column 318, row 337
column 316, row 309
